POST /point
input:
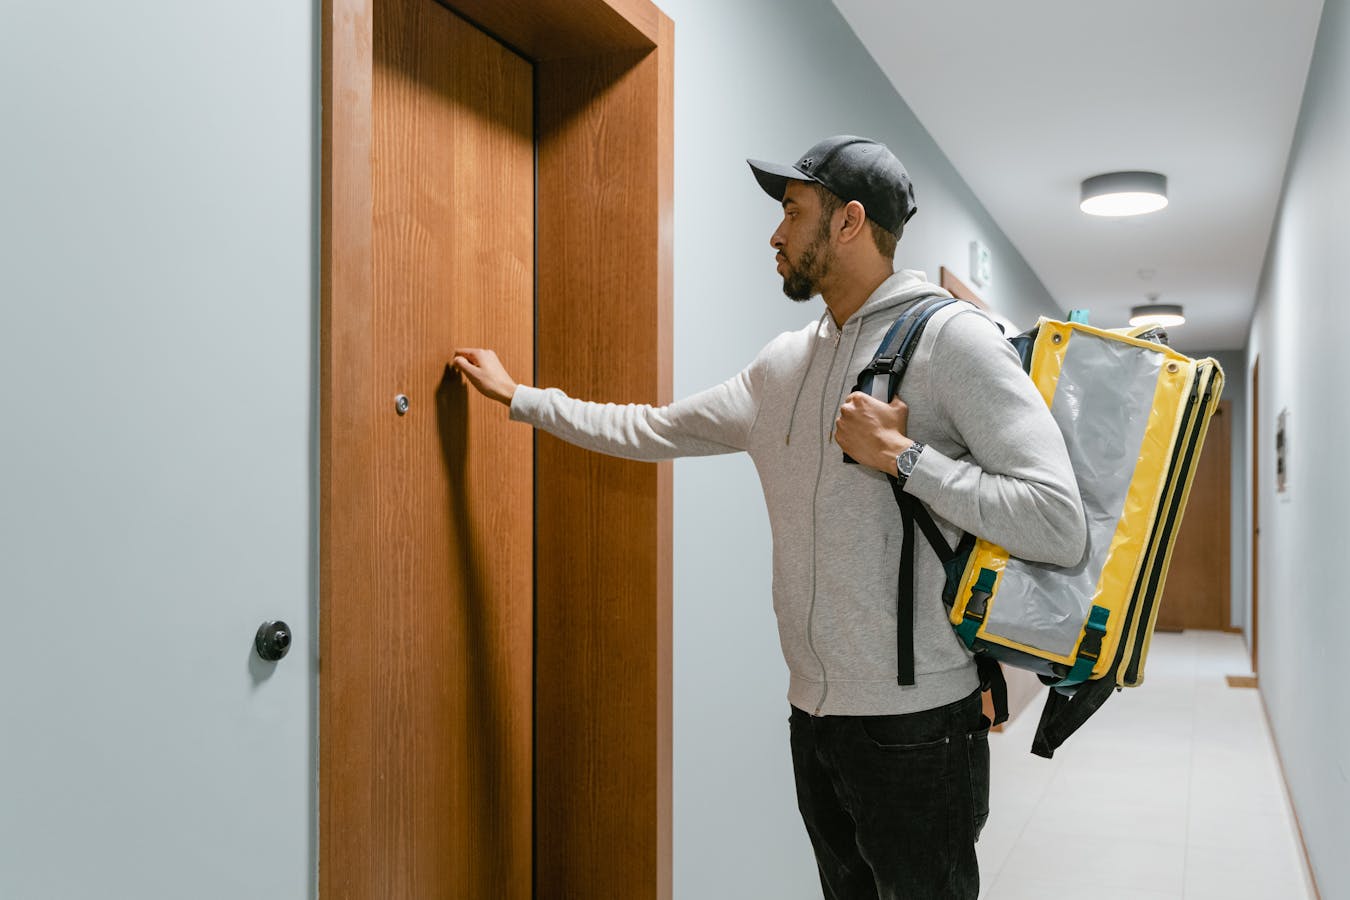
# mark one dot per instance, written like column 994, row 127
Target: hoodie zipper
column 815, row 495
column 820, row 468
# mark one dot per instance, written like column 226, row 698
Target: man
column 892, row 780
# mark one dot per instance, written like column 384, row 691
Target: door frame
column 1254, row 619
column 604, row 94
column 1179, row 610
column 957, row 288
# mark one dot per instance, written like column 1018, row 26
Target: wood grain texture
column 603, row 564
column 1197, row 593
column 347, row 493
column 562, row 29
column 453, row 205
column 387, row 736
column 427, row 634
column 665, row 393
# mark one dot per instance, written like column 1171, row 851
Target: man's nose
column 776, row 240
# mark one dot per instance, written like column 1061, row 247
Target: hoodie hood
column 901, row 288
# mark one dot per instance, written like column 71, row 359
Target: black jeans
column 894, row 804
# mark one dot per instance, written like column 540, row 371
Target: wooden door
column 1197, row 591
column 449, row 769
column 424, row 693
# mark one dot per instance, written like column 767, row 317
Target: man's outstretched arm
column 717, row 420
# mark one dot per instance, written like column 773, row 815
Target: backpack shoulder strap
column 898, row 345
column 891, row 360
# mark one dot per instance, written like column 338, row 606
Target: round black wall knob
column 273, row 640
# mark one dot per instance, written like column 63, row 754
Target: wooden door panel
column 603, row 69
column 453, row 201
column 1197, row 591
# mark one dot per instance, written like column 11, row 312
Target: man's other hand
column 486, row 373
column 872, row 432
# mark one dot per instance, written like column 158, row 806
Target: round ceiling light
column 1124, row 194
column 1164, row 314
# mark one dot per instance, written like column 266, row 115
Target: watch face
column 908, row 458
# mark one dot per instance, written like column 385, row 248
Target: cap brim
column 774, row 177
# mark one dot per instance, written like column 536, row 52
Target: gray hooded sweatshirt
column 994, row 465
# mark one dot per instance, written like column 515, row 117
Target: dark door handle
column 273, row 640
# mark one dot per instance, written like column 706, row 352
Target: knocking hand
column 486, row 373
column 872, row 432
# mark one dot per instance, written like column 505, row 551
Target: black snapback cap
column 851, row 168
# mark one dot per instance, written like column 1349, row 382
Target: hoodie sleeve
column 1017, row 487
column 717, row 420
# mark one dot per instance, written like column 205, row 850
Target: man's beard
column 802, row 281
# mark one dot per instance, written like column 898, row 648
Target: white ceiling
column 1028, row 98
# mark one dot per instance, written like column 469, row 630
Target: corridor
column 1186, row 773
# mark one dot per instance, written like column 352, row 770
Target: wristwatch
column 904, row 463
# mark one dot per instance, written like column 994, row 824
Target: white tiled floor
column 1172, row 791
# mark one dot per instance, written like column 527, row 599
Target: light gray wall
column 157, row 400
column 766, row 79
column 157, row 290
column 1299, row 333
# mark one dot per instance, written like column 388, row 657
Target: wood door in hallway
column 432, row 692
column 1197, row 591
column 446, row 765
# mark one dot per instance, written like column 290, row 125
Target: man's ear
column 855, row 221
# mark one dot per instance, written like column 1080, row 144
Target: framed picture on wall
column 1282, row 452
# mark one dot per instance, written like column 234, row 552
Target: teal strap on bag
column 976, row 607
column 1090, row 648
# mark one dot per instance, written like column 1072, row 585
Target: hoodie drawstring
column 801, row 385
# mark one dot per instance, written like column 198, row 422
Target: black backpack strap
column 912, row 514
column 992, row 680
column 898, row 345
column 897, row 348
column 891, row 360
column 1064, row 713
column 936, row 540
column 904, row 609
